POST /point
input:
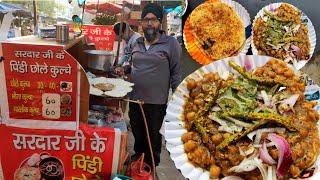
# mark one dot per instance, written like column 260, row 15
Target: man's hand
column 119, row 71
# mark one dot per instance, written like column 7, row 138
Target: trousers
column 154, row 115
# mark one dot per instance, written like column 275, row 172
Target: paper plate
column 311, row 33
column 184, row 6
column 190, row 42
column 173, row 124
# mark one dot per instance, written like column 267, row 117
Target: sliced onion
column 266, row 98
column 285, row 159
column 262, row 169
column 270, row 144
column 291, row 101
column 296, row 51
column 271, row 173
column 248, row 151
column 215, row 108
column 250, row 164
column 265, row 156
column 246, row 165
column 259, row 132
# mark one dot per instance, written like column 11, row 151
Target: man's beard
column 150, row 34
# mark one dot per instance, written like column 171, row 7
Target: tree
column 44, row 7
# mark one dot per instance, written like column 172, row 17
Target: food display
column 282, row 31
column 40, row 167
column 249, row 120
column 111, row 87
column 218, row 29
column 215, row 30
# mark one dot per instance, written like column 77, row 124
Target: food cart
column 44, row 114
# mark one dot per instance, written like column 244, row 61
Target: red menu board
column 41, row 82
column 88, row 153
column 102, row 36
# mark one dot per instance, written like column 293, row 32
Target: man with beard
column 155, row 68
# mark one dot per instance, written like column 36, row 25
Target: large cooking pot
column 100, row 60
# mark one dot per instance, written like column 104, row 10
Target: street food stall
column 46, row 88
column 250, row 110
column 59, row 107
column 223, row 122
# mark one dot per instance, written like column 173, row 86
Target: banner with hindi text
column 88, row 153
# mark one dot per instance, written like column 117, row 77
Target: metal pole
column 120, row 36
column 83, row 7
column 35, row 17
column 97, row 7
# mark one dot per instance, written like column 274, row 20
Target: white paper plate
column 185, row 7
column 311, row 34
column 173, row 124
column 245, row 17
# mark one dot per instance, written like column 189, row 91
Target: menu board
column 88, row 153
column 41, row 83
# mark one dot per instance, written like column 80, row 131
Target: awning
column 16, row 9
column 103, row 7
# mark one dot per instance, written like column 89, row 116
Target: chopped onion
column 286, row 28
column 259, row 132
column 250, row 164
column 274, row 176
column 288, row 59
column 285, row 159
column 296, row 51
column 246, row 165
column 282, row 88
column 270, row 144
column 232, row 178
column 289, row 102
column 215, row 108
column 265, row 156
column 247, row 64
column 266, row 98
column 247, row 152
column 271, row 173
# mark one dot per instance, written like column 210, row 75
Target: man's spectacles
column 152, row 20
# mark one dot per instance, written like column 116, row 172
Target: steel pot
column 100, row 60
column 62, row 33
